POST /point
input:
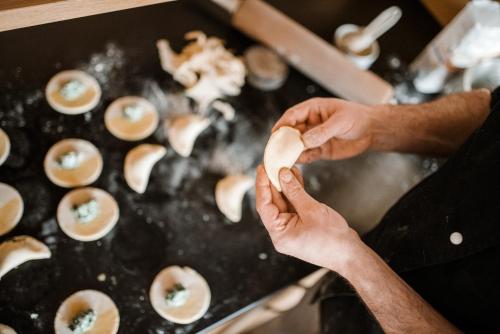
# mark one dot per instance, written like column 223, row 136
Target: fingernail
column 286, row 175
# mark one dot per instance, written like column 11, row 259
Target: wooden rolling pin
column 307, row 52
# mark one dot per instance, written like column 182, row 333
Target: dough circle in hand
column 229, row 194
column 138, row 125
column 107, row 318
column 86, row 101
column 86, row 172
column 4, row 146
column 183, row 130
column 11, row 208
column 4, row 329
column 107, row 214
column 138, row 165
column 196, row 303
column 21, row 249
column 282, row 151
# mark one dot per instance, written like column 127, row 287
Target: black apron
column 460, row 279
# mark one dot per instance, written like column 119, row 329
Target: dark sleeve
column 495, row 98
column 462, row 197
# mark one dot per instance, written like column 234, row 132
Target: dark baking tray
column 176, row 221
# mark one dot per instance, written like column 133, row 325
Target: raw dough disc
column 122, row 127
column 86, row 102
column 266, row 70
column 107, row 316
column 282, row 151
column 4, row 146
column 11, row 208
column 90, row 166
column 229, row 194
column 20, row 249
column 183, row 130
column 138, row 165
column 95, row 229
column 197, row 301
column 4, row 329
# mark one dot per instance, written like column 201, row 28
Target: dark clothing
column 462, row 281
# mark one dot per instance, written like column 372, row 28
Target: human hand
column 332, row 128
column 302, row 227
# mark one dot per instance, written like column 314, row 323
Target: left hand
column 302, row 227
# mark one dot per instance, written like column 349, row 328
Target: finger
column 267, row 210
column 335, row 126
column 310, row 155
column 278, row 200
column 343, row 149
column 294, row 192
column 302, row 112
column 298, row 175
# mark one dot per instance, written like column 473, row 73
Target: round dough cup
column 197, row 301
column 11, row 208
column 107, row 316
column 4, row 146
column 124, row 128
column 85, row 102
column 104, row 222
column 87, row 172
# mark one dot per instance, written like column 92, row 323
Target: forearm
column 437, row 128
column 396, row 306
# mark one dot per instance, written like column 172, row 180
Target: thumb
column 335, row 126
column 294, row 191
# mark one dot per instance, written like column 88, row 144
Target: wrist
column 346, row 256
column 381, row 119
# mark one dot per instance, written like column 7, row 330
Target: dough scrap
column 84, row 102
column 4, row 146
column 205, row 67
column 138, row 165
column 89, row 166
column 183, row 130
column 198, row 299
column 97, row 228
column 229, row 194
column 128, row 129
column 11, row 208
column 282, row 151
column 19, row 250
column 107, row 315
column 225, row 109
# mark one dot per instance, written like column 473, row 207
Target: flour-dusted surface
column 176, row 221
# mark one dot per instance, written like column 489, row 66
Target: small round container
column 267, row 71
column 363, row 59
column 486, row 74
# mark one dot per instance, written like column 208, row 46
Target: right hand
column 331, row 128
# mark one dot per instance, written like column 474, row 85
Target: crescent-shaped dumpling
column 87, row 309
column 82, row 166
column 194, row 291
column 4, row 146
column 131, row 118
column 229, row 193
column 282, row 151
column 138, row 165
column 183, row 130
column 72, row 92
column 87, row 214
column 20, row 249
column 11, row 208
